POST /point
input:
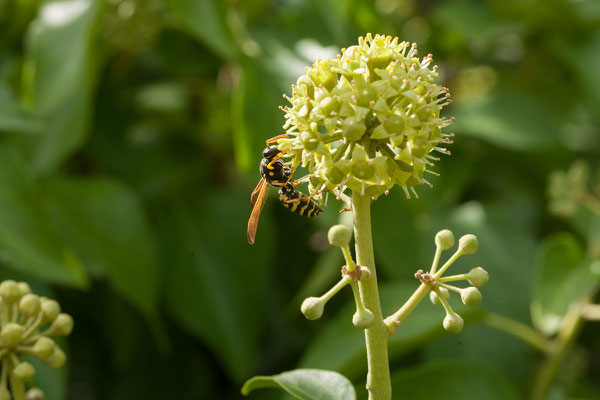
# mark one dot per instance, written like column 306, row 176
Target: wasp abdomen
column 297, row 203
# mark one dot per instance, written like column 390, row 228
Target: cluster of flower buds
column 440, row 290
column 26, row 322
column 312, row 307
column 568, row 190
column 367, row 120
column 437, row 284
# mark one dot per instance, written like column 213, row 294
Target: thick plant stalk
column 378, row 377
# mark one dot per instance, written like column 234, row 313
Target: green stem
column 336, row 288
column 393, row 321
column 17, row 387
column 378, row 378
column 570, row 327
column 519, row 330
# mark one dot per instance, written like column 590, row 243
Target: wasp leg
column 349, row 208
column 276, row 138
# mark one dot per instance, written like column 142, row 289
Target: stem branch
column 519, row 330
column 393, row 321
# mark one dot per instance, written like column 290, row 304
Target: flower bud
column 29, row 305
column 312, row 307
column 24, row 288
column 470, row 296
column 24, row 371
column 57, row 359
column 468, row 244
column 44, row 347
column 444, row 239
column 50, row 310
column 9, row 290
column 478, row 277
column 62, row 325
column 435, row 298
column 11, row 334
column 453, row 322
column 339, row 235
column 363, row 318
column 4, row 394
column 34, row 394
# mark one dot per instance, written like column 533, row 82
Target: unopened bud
column 470, row 296
column 24, row 288
column 35, row 394
column 363, row 318
column 24, row 371
column 11, row 334
column 312, row 307
column 29, row 305
column 453, row 322
column 9, row 290
column 468, row 244
column 339, row 235
column 478, row 277
column 435, row 298
column 62, row 325
column 444, row 239
column 44, row 347
column 50, row 310
column 57, row 359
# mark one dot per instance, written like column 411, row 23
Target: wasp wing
column 256, row 191
column 258, row 200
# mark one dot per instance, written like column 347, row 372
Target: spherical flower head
column 368, row 119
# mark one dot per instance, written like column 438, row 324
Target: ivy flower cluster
column 26, row 323
column 568, row 190
column 367, row 120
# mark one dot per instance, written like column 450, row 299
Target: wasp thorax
column 375, row 101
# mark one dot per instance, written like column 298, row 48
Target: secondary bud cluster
column 26, row 322
column 312, row 307
column 368, row 119
column 568, row 190
column 440, row 290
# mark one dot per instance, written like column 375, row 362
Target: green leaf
column 508, row 118
column 217, row 283
column 305, row 384
column 562, row 278
column 59, row 75
column 452, row 380
column 30, row 243
column 105, row 224
column 206, row 20
column 340, row 346
column 13, row 118
column 587, row 49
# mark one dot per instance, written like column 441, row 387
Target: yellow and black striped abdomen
column 297, row 203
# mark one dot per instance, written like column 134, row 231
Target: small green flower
column 367, row 120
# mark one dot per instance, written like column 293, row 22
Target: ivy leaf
column 562, row 277
column 306, row 384
column 206, row 21
column 453, row 380
column 217, row 282
column 103, row 221
column 30, row 243
column 524, row 123
column 59, row 75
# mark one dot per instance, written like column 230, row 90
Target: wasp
column 276, row 173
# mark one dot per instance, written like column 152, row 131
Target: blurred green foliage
column 130, row 136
